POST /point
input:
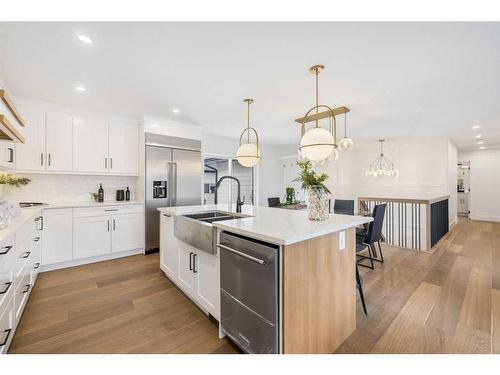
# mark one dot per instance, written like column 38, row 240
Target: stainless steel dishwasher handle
column 254, row 259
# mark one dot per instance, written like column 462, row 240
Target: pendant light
column 248, row 153
column 318, row 143
column 381, row 166
column 346, row 143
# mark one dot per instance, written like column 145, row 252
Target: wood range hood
column 8, row 131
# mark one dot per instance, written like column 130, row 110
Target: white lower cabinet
column 186, row 274
column 208, row 282
column 196, row 272
column 57, row 244
column 7, row 326
column 91, row 236
column 127, row 232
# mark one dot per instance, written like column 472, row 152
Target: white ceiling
column 399, row 79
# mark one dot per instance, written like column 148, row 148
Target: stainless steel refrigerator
column 173, row 178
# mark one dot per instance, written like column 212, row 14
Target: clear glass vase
column 318, row 204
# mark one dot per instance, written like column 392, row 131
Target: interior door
column 123, row 148
column 90, row 145
column 59, row 141
column 187, row 173
column 30, row 155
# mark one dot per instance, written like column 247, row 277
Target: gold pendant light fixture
column 382, row 166
column 248, row 153
column 346, row 143
column 319, row 143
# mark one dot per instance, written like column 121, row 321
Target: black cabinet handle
column 40, row 219
column 36, row 266
column 36, row 239
column 27, row 286
column 191, row 261
column 7, row 331
column 11, row 155
column 7, row 249
column 27, row 254
column 194, row 263
column 6, row 288
column 114, row 225
column 108, row 225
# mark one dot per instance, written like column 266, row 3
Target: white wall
column 422, row 166
column 484, row 197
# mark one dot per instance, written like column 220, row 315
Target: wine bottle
column 127, row 194
column 100, row 194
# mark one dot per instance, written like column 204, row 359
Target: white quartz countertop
column 276, row 225
column 90, row 204
column 17, row 221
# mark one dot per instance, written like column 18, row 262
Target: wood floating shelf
column 336, row 111
column 10, row 106
column 8, row 131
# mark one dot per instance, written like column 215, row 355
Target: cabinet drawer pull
column 26, row 255
column 11, row 155
column 7, row 249
column 111, row 209
column 49, row 159
column 37, row 265
column 39, row 219
column 27, row 286
column 108, row 225
column 36, row 239
column 194, row 263
column 111, row 163
column 105, row 163
column 191, row 261
column 41, row 158
column 6, row 288
column 6, row 338
column 114, row 224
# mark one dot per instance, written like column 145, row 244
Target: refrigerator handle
column 169, row 183
column 174, row 182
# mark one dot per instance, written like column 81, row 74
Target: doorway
column 216, row 167
column 463, row 189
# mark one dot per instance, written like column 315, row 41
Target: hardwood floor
column 120, row 306
column 445, row 302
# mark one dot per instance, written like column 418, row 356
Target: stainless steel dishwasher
column 249, row 292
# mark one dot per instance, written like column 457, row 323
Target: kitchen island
column 315, row 273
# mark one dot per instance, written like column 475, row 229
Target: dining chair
column 372, row 237
column 343, row 206
column 273, row 202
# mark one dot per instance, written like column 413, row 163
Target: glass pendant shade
column 248, row 154
column 317, row 144
column 346, row 144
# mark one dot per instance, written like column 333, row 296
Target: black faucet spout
column 239, row 202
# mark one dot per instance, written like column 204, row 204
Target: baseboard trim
column 485, row 218
column 80, row 262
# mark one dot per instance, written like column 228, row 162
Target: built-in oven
column 250, row 292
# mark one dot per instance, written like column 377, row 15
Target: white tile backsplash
column 51, row 188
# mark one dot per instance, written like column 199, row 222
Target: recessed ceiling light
column 476, row 127
column 175, row 110
column 479, row 142
column 80, row 88
column 478, row 136
column 84, row 39
column 482, row 147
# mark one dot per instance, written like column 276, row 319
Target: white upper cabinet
column 59, row 131
column 90, row 145
column 31, row 154
column 123, row 148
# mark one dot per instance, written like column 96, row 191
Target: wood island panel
column 319, row 294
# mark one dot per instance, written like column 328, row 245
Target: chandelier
column 319, row 143
column 382, row 166
column 248, row 153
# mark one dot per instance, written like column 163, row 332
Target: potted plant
column 314, row 184
column 8, row 179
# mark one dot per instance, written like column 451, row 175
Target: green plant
column 8, row 179
column 310, row 179
column 290, row 195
